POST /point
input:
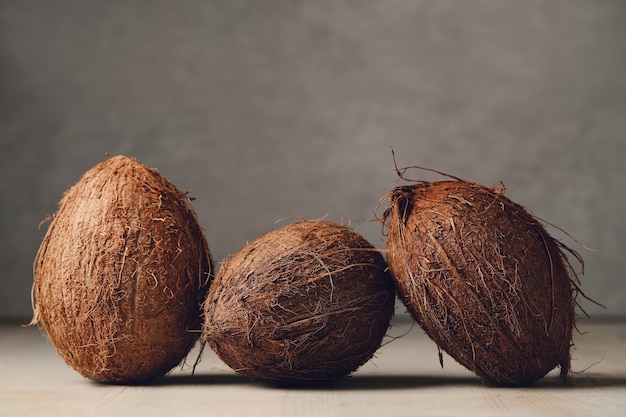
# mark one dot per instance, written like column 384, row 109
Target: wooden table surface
column 405, row 379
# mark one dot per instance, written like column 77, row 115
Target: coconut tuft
column 483, row 278
column 121, row 274
column 304, row 303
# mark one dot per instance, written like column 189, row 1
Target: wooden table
column 405, row 379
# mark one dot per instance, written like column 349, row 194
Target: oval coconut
column 121, row 274
column 307, row 302
column 483, row 278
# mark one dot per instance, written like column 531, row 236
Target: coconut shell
column 304, row 303
column 483, row 278
column 121, row 274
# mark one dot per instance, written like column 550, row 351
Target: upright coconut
column 483, row 278
column 121, row 274
column 304, row 303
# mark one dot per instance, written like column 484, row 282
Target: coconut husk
column 121, row 274
column 310, row 301
column 483, row 278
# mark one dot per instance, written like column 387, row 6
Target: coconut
column 483, row 278
column 121, row 274
column 304, row 303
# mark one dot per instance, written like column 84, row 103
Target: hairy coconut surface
column 310, row 301
column 483, row 278
column 121, row 274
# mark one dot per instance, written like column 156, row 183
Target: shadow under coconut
column 389, row 382
column 394, row 382
column 201, row 379
column 357, row 382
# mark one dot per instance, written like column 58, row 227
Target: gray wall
column 272, row 109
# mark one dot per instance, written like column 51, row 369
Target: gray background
column 273, row 109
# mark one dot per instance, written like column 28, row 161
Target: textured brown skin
column 483, row 278
column 121, row 274
column 307, row 302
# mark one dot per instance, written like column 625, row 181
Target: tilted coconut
column 310, row 301
column 483, row 278
column 121, row 274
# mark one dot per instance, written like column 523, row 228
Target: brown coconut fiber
column 304, row 303
column 121, row 274
column 483, row 278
